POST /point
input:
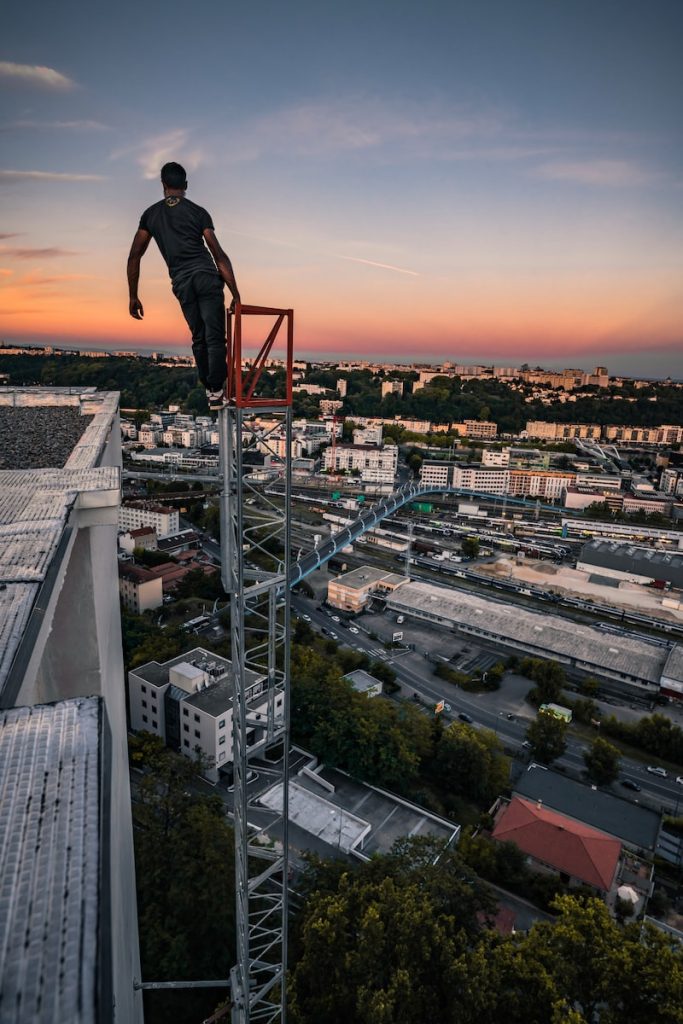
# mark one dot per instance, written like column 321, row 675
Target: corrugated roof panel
column 49, row 862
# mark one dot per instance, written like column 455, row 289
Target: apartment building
column 188, row 702
column 375, row 465
column 161, row 518
column 671, row 482
column 490, row 457
column 392, row 387
column 476, row 430
column 140, row 589
column 539, row 483
column 666, row 434
column 145, row 537
column 368, row 435
column 550, row 431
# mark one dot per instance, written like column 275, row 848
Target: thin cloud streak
column 81, row 126
column 605, row 172
column 52, row 252
column 10, row 176
column 35, row 74
column 374, row 263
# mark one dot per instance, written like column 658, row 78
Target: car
column 510, row 716
column 354, row 629
column 679, row 780
column 526, row 745
column 335, row 618
column 333, row 636
column 464, row 717
column 630, row 784
column 306, row 618
column 656, row 770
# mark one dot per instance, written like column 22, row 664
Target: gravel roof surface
column 39, row 437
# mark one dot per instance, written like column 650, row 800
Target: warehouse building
column 621, row 658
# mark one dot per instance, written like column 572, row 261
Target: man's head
column 173, row 176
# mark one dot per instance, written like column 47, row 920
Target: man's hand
column 236, row 298
column 135, row 309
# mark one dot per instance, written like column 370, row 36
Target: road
column 413, row 673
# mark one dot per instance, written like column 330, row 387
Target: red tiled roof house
column 579, row 853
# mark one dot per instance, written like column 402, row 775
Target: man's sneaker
column 216, row 399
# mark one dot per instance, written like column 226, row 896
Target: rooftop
column 566, row 845
column 39, row 438
column 551, row 633
column 38, row 506
column 365, row 575
column 636, row 826
column 215, row 698
column 50, row 857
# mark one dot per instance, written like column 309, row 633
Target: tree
column 546, row 734
column 470, row 547
column 602, row 761
column 472, row 761
column 185, row 881
column 549, row 677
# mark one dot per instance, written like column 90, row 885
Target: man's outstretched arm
column 137, row 251
column 223, row 264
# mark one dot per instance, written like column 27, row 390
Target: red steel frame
column 241, row 384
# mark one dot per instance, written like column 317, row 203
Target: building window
column 143, row 689
column 221, row 724
column 221, row 741
column 145, row 718
column 196, row 718
column 154, row 724
column 186, row 728
column 144, row 703
column 197, row 733
column 154, row 710
column 186, row 712
column 186, row 743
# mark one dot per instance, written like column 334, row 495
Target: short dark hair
column 173, row 176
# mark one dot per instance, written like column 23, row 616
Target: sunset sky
column 478, row 180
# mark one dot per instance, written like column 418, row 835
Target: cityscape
column 341, row 513
column 493, row 602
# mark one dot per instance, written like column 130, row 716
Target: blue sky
column 486, row 180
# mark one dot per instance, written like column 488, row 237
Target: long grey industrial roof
column 50, row 885
column 553, row 633
column 637, row 826
column 36, row 504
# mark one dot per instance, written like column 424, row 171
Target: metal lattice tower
column 255, row 560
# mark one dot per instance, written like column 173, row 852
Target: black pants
column 201, row 300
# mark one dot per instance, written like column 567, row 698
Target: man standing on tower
column 181, row 228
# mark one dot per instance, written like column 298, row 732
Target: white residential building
column 489, row 457
column 392, row 387
column 188, row 702
column 375, row 465
column 161, row 518
column 368, row 435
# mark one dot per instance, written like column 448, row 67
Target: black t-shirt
column 177, row 224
